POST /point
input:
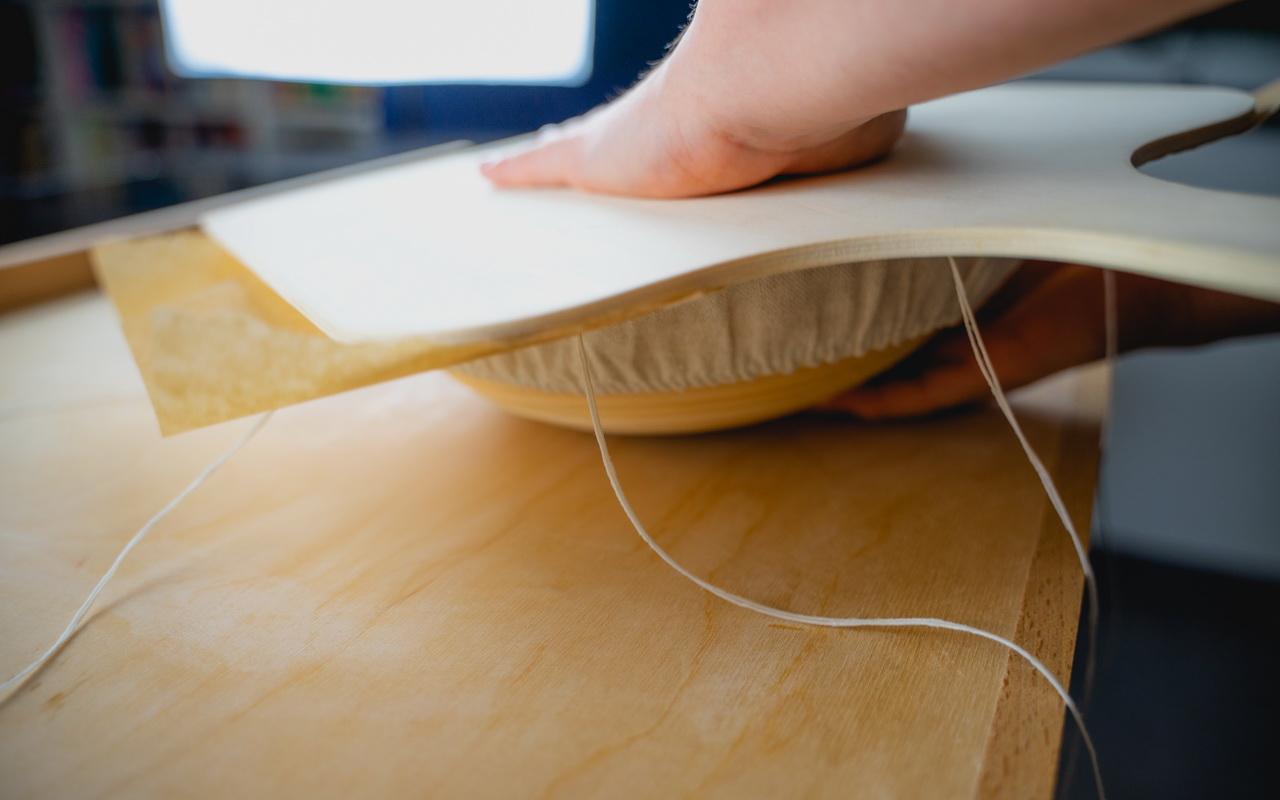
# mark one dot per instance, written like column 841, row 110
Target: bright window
column 383, row 41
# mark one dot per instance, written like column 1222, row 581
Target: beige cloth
column 769, row 326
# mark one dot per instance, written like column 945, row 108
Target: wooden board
column 401, row 591
column 1026, row 170
column 37, row 281
column 63, row 253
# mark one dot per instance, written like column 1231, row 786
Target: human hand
column 758, row 88
column 720, row 113
column 654, row 142
column 1046, row 318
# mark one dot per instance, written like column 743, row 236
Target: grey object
column 1191, row 472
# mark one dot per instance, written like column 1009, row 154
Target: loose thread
column 997, row 391
column 988, row 374
column 1051, row 490
column 133, row 542
column 869, row 622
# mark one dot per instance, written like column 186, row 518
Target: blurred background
column 112, row 107
column 97, row 123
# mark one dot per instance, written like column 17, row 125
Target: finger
column 938, row 375
column 554, row 163
column 944, row 386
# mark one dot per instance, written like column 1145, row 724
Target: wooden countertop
column 400, row 591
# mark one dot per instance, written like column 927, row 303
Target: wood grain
column 401, row 591
column 1025, row 734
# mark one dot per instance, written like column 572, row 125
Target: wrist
column 723, row 74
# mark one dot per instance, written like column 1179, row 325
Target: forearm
column 1048, row 318
column 1155, row 313
column 1063, row 304
column 760, row 88
column 827, row 65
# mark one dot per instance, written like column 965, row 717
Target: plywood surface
column 1038, row 170
column 400, row 591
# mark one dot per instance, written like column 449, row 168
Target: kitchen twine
column 588, row 385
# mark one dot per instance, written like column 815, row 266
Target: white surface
column 431, row 250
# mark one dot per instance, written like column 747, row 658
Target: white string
column 79, row 616
column 997, row 391
column 834, row 622
column 993, row 382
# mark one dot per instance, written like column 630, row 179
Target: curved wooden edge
column 1187, row 140
column 697, row 410
column 1266, row 101
column 1250, row 275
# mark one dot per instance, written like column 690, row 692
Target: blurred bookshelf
column 96, row 123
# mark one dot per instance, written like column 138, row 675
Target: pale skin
column 755, row 89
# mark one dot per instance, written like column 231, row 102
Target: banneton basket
column 752, row 352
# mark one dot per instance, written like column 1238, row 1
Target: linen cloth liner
column 770, row 326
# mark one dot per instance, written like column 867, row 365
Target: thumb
column 553, row 163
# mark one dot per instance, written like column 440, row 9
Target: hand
column 656, row 142
column 730, row 107
column 1047, row 318
column 759, row 88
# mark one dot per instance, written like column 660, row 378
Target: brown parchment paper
column 213, row 342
